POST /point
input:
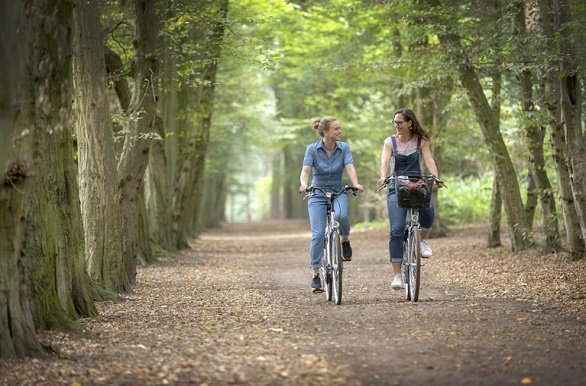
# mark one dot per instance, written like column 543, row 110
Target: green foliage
column 467, row 200
column 283, row 63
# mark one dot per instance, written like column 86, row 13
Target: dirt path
column 237, row 309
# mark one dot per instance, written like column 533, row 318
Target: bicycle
column 332, row 262
column 413, row 193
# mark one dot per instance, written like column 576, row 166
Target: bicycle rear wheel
column 336, row 255
column 326, row 270
column 414, row 266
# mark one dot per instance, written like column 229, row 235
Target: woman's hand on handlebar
column 303, row 189
column 438, row 183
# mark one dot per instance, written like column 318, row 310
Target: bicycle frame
column 411, row 264
column 332, row 265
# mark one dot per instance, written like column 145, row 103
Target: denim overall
column 405, row 165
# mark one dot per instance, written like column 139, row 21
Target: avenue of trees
column 127, row 127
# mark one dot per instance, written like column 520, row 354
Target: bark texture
column 97, row 158
column 142, row 113
column 191, row 160
column 552, row 91
column 535, row 136
column 54, row 247
column 16, row 321
column 39, row 194
column 504, row 171
column 571, row 110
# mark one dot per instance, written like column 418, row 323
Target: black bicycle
column 413, row 193
column 332, row 262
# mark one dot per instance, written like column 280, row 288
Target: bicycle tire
column 414, row 264
column 327, row 270
column 337, row 265
column 405, row 266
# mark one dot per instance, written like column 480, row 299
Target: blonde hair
column 322, row 125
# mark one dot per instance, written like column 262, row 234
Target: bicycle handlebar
column 312, row 191
column 436, row 180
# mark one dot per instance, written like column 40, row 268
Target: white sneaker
column 425, row 249
column 397, row 282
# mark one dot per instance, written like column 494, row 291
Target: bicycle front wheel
column 326, row 269
column 414, row 267
column 336, row 255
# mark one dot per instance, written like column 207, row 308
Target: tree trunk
column 496, row 206
column 59, row 282
column 187, row 200
column 559, row 143
column 294, row 206
column 16, row 322
column 505, row 174
column 142, row 113
column 160, row 172
column 530, row 200
column 575, row 243
column 276, row 186
column 116, row 75
column 169, row 109
column 441, row 98
column 571, row 110
column 496, row 202
column 157, row 194
column 214, row 199
column 145, row 251
column 535, row 136
column 97, row 158
column 43, row 277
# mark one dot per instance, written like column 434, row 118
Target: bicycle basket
column 413, row 191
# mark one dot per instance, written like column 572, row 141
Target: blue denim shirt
column 327, row 171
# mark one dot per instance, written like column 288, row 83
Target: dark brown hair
column 416, row 126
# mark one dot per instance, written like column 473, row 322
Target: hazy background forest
column 129, row 127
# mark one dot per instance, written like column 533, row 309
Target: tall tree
column 505, row 173
column 16, row 321
column 571, row 108
column 97, row 158
column 552, row 92
column 141, row 123
column 196, row 126
column 48, row 241
column 535, row 132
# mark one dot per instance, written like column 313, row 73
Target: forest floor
column 237, row 309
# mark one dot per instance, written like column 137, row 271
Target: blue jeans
column 397, row 222
column 317, row 208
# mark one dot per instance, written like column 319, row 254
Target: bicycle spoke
column 337, row 267
column 327, row 272
column 414, row 264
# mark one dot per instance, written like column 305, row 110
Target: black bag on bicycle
column 413, row 191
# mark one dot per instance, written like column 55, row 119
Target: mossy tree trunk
column 535, row 133
column 97, row 158
column 552, row 91
column 195, row 137
column 16, row 322
column 571, row 109
column 141, row 124
column 505, row 174
column 45, row 284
